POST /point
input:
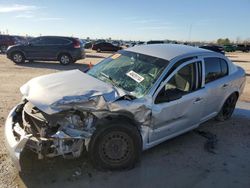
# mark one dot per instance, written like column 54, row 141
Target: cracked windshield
column 135, row 73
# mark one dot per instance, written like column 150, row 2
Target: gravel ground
column 190, row 160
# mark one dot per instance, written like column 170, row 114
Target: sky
column 185, row 20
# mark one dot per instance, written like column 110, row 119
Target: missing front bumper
column 68, row 143
column 14, row 147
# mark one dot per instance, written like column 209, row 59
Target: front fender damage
column 68, row 131
column 138, row 109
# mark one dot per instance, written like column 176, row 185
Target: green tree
column 222, row 41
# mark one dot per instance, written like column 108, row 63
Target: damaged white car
column 131, row 101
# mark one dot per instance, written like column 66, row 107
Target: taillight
column 77, row 44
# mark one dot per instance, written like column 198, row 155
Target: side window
column 183, row 82
column 36, row 41
column 224, row 67
column 215, row 68
column 57, row 41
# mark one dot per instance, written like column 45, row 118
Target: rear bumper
column 13, row 145
column 78, row 54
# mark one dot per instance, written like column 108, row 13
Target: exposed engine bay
column 62, row 134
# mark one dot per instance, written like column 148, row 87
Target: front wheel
column 18, row 57
column 65, row 59
column 227, row 108
column 115, row 147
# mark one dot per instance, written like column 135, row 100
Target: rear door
column 179, row 102
column 216, row 85
column 55, row 45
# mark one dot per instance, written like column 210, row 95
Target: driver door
column 178, row 103
column 35, row 48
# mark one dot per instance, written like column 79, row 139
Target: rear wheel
column 228, row 108
column 115, row 147
column 18, row 57
column 98, row 50
column 65, row 59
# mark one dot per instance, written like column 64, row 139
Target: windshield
column 133, row 72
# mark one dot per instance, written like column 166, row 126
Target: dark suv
column 49, row 48
column 6, row 41
column 215, row 48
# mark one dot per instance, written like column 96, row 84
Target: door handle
column 225, row 85
column 197, row 100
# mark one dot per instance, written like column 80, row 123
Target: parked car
column 140, row 43
column 48, row 48
column 105, row 46
column 138, row 98
column 6, row 41
column 243, row 47
column 88, row 45
column 214, row 48
column 155, row 42
column 229, row 48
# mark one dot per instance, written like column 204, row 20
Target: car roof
column 62, row 37
column 167, row 51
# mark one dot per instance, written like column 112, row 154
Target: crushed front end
column 61, row 134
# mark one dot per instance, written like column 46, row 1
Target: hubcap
column 65, row 59
column 18, row 58
column 115, row 148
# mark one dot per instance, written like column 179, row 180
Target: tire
column 65, row 59
column 98, row 50
column 115, row 147
column 3, row 49
column 17, row 57
column 227, row 108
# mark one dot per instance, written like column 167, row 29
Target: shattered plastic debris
column 77, row 172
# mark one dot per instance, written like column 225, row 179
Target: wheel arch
column 19, row 51
column 113, row 119
column 232, row 92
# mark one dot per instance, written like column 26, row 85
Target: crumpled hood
column 50, row 92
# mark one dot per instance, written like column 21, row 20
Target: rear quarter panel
column 236, row 81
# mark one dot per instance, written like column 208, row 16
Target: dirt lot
column 185, row 161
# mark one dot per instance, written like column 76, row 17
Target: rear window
column 215, row 68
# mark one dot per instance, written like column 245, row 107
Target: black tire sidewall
column 97, row 138
column 220, row 116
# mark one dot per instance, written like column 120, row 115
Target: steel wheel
column 116, row 148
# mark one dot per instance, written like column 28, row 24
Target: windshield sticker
column 136, row 77
column 115, row 56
